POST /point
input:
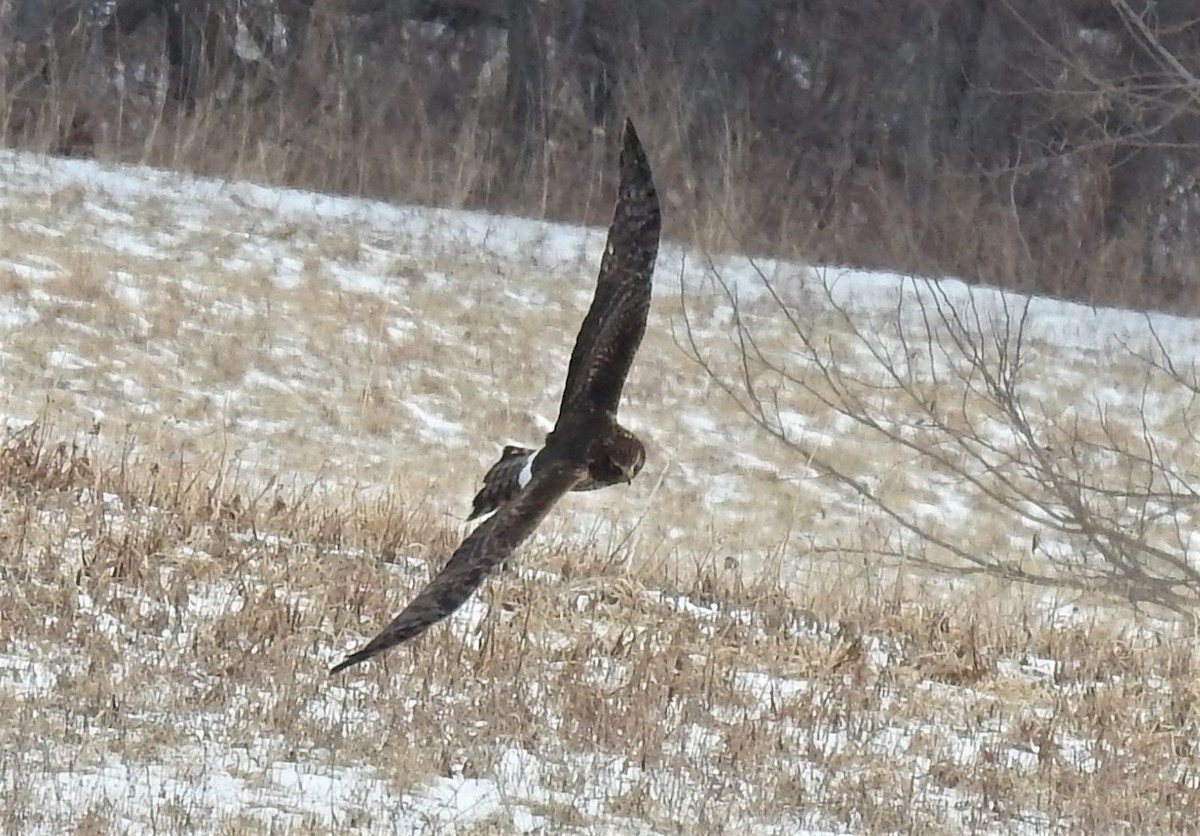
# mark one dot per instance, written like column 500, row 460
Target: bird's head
column 626, row 455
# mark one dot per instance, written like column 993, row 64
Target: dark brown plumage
column 609, row 337
column 587, row 449
column 503, row 480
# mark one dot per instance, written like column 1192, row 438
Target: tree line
column 1066, row 131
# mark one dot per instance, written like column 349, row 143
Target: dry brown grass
column 253, row 429
column 436, row 142
column 151, row 620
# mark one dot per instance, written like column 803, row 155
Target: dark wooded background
column 1047, row 146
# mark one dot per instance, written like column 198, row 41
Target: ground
column 245, row 425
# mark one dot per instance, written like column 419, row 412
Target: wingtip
column 630, row 135
column 635, row 166
column 632, row 144
column 350, row 661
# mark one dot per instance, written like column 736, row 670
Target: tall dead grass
column 436, row 138
column 158, row 599
column 172, row 601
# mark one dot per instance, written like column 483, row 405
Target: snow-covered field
column 261, row 393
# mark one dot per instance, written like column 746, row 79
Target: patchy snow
column 442, row 335
column 276, row 794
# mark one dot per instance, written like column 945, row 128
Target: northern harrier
column 587, row 449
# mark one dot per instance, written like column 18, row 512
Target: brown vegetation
column 161, row 621
column 730, row 637
column 1045, row 147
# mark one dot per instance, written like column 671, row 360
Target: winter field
column 261, row 415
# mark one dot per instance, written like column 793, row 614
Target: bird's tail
column 504, row 480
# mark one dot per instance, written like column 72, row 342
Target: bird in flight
column 587, row 449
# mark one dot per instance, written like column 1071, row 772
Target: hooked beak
column 629, row 473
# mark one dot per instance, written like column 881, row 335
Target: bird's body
column 587, row 449
column 517, row 466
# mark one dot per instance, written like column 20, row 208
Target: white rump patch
column 527, row 471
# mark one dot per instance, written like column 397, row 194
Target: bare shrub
column 997, row 469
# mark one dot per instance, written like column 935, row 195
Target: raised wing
column 613, row 327
column 482, row 551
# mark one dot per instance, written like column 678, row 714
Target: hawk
column 587, row 449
